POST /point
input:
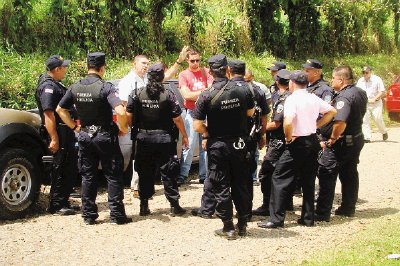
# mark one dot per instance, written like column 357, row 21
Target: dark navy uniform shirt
column 321, row 89
column 108, row 92
column 277, row 116
column 351, row 105
column 48, row 95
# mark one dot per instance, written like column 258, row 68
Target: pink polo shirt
column 304, row 107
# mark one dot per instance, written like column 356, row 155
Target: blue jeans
column 187, row 155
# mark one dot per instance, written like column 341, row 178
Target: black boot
column 144, row 207
column 263, row 210
column 176, row 209
column 228, row 231
column 241, row 226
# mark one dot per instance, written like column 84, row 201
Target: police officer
column 95, row 100
column 61, row 139
column 276, row 141
column 343, row 141
column 154, row 110
column 274, row 68
column 300, row 156
column 227, row 111
column 316, row 83
column 258, row 122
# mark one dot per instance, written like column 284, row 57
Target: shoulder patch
column 328, row 98
column 339, row 105
column 48, row 90
column 279, row 108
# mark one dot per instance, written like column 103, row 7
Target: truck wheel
column 19, row 183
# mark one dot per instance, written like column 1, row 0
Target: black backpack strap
column 215, row 98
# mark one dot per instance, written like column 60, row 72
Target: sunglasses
column 194, row 61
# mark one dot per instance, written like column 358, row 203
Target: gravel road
column 160, row 239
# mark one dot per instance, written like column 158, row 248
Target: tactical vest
column 92, row 109
column 227, row 117
column 154, row 114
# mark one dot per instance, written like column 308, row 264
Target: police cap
column 237, row 66
column 217, row 61
column 366, row 69
column 313, row 63
column 299, row 77
column 275, row 66
column 96, row 59
column 56, row 61
column 282, row 74
column 156, row 72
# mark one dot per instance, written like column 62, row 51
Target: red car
column 393, row 100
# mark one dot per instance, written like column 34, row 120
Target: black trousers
column 298, row 159
column 342, row 160
column 65, row 169
column 274, row 151
column 104, row 148
column 228, row 174
column 151, row 158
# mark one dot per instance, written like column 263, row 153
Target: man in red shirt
column 192, row 82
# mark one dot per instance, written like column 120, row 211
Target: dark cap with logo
column 313, row 63
column 96, row 59
column 277, row 66
column 237, row 66
column 217, row 61
column 299, row 77
column 366, row 69
column 282, row 74
column 156, row 72
column 56, row 61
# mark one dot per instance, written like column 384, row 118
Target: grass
column 369, row 247
column 19, row 72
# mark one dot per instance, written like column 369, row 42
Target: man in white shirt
column 373, row 86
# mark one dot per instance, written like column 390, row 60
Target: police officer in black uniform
column 95, row 100
column 276, row 141
column 274, row 68
column 257, row 123
column 227, row 111
column 343, row 141
column 61, row 139
column 154, row 110
column 316, row 83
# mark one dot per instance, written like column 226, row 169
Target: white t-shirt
column 371, row 87
column 264, row 88
column 129, row 83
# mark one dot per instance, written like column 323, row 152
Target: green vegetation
column 370, row 247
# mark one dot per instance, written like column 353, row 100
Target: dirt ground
column 164, row 240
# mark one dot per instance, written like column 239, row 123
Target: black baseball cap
column 282, row 74
column 299, row 77
column 275, row 66
column 56, row 61
column 217, row 61
column 96, row 59
column 237, row 66
column 313, row 63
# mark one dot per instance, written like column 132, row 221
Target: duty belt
column 153, row 131
column 93, row 130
